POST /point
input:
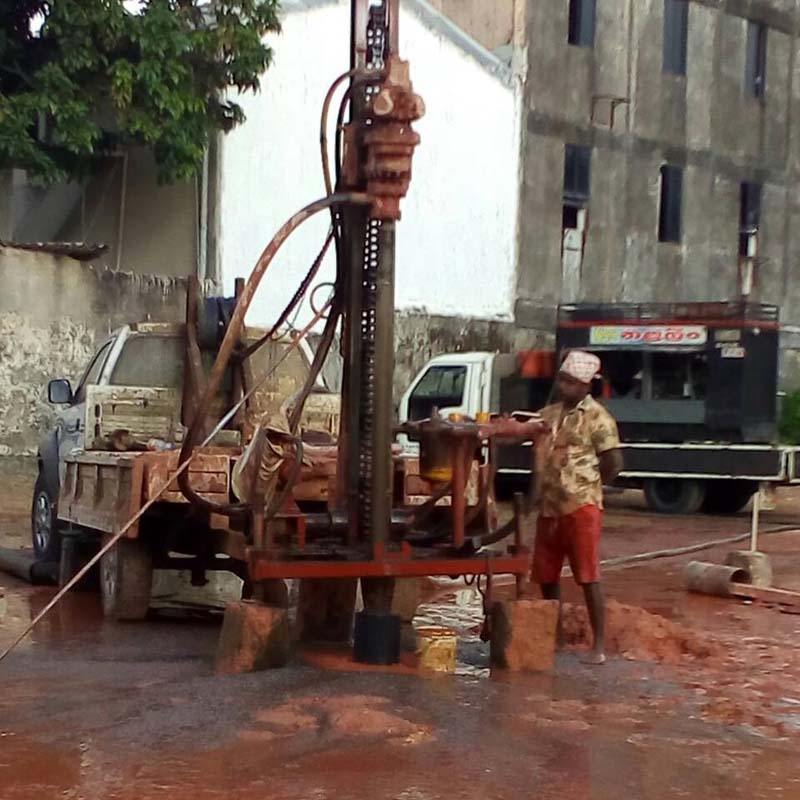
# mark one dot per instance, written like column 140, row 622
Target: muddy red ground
column 92, row 710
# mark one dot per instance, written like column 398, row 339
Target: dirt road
column 702, row 701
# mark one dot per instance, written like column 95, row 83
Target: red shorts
column 574, row 536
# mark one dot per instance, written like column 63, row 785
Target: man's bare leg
column 595, row 605
column 552, row 591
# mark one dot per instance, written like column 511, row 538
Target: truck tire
column 44, row 523
column 727, row 496
column 126, row 580
column 674, row 495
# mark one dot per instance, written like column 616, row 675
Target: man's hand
column 610, row 466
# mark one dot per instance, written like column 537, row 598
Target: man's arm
column 610, row 465
column 510, row 430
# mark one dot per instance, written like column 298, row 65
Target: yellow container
column 436, row 648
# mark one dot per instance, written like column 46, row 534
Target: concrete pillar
column 757, row 565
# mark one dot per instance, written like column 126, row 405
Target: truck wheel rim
column 43, row 522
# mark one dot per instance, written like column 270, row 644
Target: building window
column 581, row 22
column 676, row 27
column 577, row 175
column 755, row 69
column 669, row 211
column 749, row 218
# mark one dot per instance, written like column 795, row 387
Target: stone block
column 253, row 637
column 523, row 636
column 757, row 564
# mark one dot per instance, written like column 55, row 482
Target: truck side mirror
column 59, row 391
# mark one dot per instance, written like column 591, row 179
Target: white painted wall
column 457, row 239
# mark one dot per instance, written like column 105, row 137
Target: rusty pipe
column 458, row 494
column 237, row 323
column 394, row 26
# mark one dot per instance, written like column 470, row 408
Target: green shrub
column 789, row 423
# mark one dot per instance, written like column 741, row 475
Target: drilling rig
column 366, row 532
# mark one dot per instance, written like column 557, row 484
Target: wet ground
column 94, row 710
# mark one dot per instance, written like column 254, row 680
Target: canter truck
column 693, row 387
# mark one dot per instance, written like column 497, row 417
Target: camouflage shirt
column 567, row 460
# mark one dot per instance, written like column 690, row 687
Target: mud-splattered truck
column 115, row 443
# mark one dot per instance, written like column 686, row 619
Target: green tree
column 80, row 77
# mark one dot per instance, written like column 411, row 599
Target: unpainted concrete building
column 661, row 147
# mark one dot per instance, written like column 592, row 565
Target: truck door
column 71, row 422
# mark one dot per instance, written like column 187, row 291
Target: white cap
column 584, row 367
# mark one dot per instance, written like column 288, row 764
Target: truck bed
column 103, row 490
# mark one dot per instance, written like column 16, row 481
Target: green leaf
column 98, row 72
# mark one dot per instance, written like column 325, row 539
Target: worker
column 578, row 456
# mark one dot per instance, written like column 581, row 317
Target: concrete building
column 661, row 149
column 148, row 229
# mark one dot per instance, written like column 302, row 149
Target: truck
column 693, row 387
column 114, row 444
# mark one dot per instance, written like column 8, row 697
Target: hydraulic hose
column 233, row 333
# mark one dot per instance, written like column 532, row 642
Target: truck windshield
column 649, row 375
column 150, row 361
column 156, row 361
column 440, row 387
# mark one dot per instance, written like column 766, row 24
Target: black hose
column 292, row 304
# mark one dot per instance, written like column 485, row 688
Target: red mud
column 345, row 715
column 638, row 635
column 340, row 659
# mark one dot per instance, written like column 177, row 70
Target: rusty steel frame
column 385, row 567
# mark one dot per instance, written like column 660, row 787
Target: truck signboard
column 647, row 335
